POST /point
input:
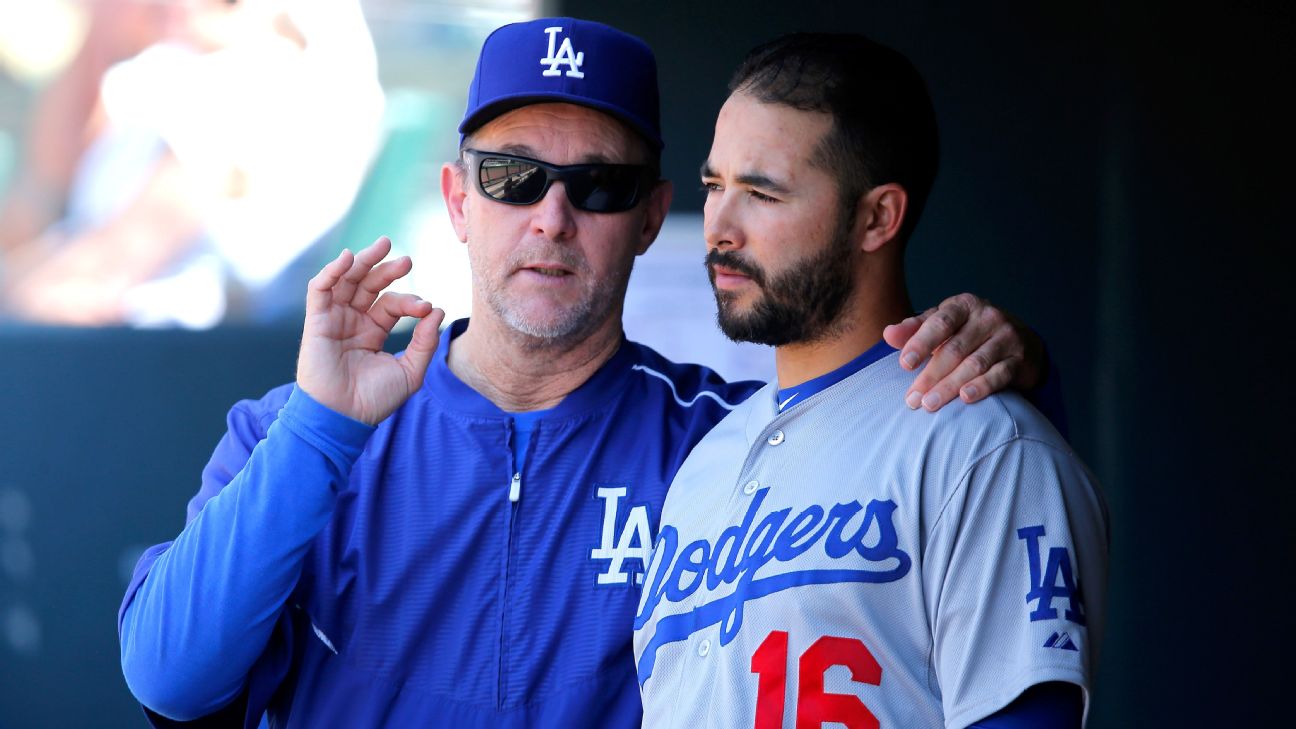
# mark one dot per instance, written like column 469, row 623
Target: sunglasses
column 596, row 188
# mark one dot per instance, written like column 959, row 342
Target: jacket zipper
column 514, row 494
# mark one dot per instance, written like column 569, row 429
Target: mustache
column 733, row 261
column 563, row 256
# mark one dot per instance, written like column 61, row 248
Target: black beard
column 801, row 304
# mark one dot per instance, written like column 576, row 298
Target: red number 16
column 813, row 706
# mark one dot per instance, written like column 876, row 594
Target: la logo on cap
column 565, row 55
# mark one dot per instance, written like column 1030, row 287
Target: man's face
column 549, row 270
column 778, row 247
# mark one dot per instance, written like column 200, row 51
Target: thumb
column 423, row 343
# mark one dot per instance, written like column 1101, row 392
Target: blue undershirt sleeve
column 206, row 608
column 1052, row 705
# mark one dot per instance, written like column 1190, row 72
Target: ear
column 879, row 216
column 655, row 210
column 456, row 198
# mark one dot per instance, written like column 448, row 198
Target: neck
column 870, row 309
column 520, row 373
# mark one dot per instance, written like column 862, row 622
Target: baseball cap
column 565, row 60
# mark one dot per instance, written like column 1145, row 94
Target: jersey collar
column 790, row 397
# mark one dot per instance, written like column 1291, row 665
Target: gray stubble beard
column 574, row 325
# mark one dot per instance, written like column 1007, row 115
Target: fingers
column 963, row 350
column 898, row 334
column 976, row 376
column 948, row 334
column 391, row 306
column 358, row 279
column 423, row 343
column 345, row 288
column 938, row 325
column 980, row 359
column 997, row 378
column 379, row 278
column 319, row 291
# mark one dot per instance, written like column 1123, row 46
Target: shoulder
column 976, row 428
column 678, row 403
column 948, row 443
column 722, row 449
column 687, row 384
column 1003, row 438
column 1009, row 418
column 1008, row 458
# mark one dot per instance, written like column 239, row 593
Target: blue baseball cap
column 569, row 61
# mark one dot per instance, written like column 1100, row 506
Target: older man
column 457, row 536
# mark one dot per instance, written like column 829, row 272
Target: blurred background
column 171, row 173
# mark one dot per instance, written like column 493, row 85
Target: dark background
column 1117, row 174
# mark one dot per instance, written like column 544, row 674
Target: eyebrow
column 517, row 150
column 752, row 179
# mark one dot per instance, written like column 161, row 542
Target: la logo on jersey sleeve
column 1052, row 578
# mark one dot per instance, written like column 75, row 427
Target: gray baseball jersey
column 853, row 561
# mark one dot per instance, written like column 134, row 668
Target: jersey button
column 704, row 648
column 751, row 487
column 776, row 438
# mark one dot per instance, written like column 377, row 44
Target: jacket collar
column 454, row 395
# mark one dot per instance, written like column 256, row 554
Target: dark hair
column 884, row 127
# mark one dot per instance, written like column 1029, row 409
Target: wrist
column 346, row 434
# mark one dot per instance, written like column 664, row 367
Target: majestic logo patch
column 1061, row 641
column 1044, row 582
column 565, row 55
column 634, row 543
column 742, row 550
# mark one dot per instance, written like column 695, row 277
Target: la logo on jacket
column 633, row 543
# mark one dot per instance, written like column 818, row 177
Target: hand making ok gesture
column 348, row 318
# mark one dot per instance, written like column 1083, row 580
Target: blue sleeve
column 1047, row 396
column 200, row 611
column 1052, row 705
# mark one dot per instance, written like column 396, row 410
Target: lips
column 725, row 279
column 555, row 272
column 728, row 269
column 548, row 270
column 547, row 262
column 727, row 272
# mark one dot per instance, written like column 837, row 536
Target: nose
column 720, row 225
column 553, row 215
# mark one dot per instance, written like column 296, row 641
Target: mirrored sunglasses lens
column 512, row 181
column 604, row 189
